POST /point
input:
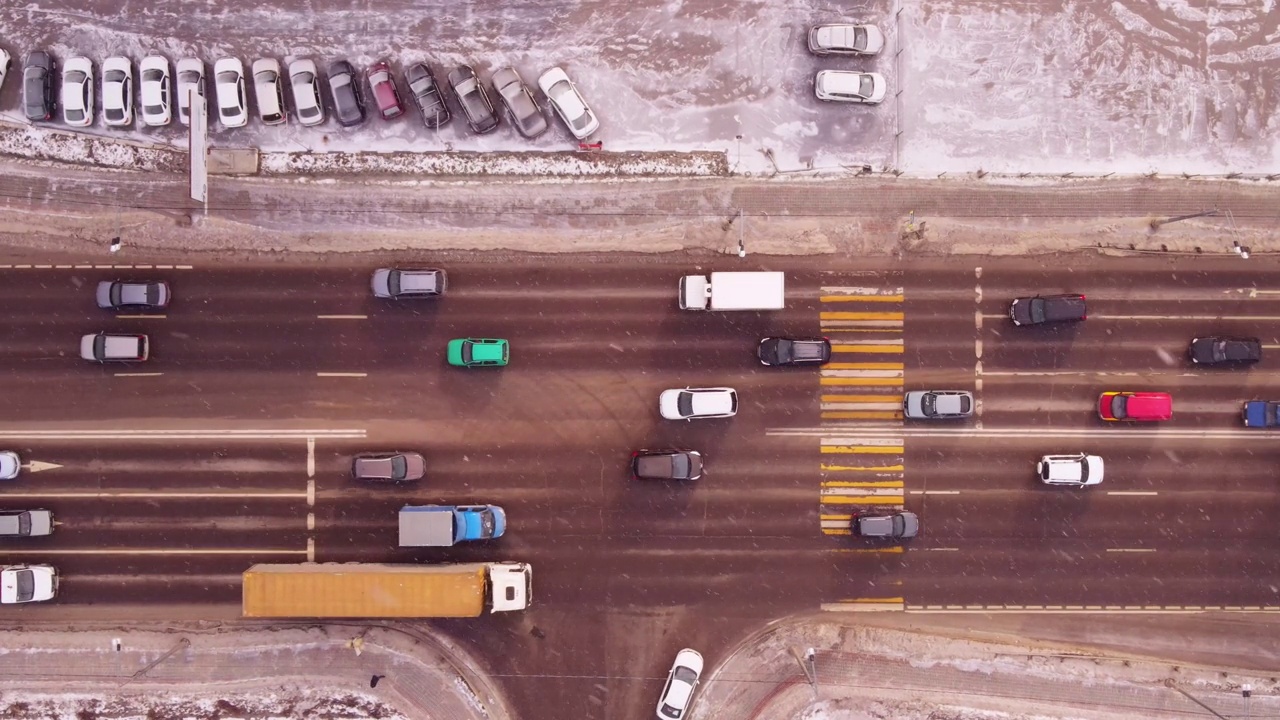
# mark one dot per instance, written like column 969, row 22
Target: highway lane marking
column 95, row 267
column 255, row 434
column 1202, row 318
column 160, row 316
column 158, row 551
column 342, row 374
column 935, row 492
column 1133, row 492
column 882, row 381
column 1130, row 550
column 861, row 298
column 342, row 317
column 153, row 495
column 858, row 415
column 137, row 374
column 311, row 457
column 866, row 605
column 36, row 466
column 891, row 550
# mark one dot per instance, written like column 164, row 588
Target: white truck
column 733, row 291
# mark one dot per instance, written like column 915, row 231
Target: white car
column 4, row 65
column 228, row 79
column 9, row 465
column 305, row 81
column 568, row 103
column 154, row 87
column 190, row 77
column 28, row 583
column 77, row 92
column 1079, row 470
column 845, row 39
column 681, row 682
column 851, row 87
column 268, row 91
column 690, row 403
column 117, row 91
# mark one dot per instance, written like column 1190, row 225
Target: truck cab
column 446, row 525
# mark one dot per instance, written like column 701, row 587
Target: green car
column 478, row 352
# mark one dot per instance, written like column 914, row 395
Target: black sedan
column 1225, row 350
column 666, row 464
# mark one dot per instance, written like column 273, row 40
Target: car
column 383, row 87
column 1115, row 406
column 304, row 79
column 1041, row 309
column 900, row 525
column 37, row 86
column 114, row 347
column 1219, row 350
column 10, row 465
column 344, row 91
column 417, row 283
column 682, row 680
column 190, row 73
column 474, row 99
column 28, row 583
column 153, row 74
column 845, row 39
column 426, row 95
column 478, row 352
column 1078, row 470
column 794, row 351
column 77, row 92
column 666, row 464
column 521, row 107
column 1261, row 414
column 395, row 467
column 568, row 103
column 691, row 403
column 25, row 523
column 228, row 83
column 117, row 91
column 847, row 86
column 5, row 61
column 269, row 91
column 120, row 295
column 937, row 404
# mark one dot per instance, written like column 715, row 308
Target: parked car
column 233, row 106
column 25, row 523
column 157, row 106
column 478, row 352
column 77, row 92
column 344, row 91
column 937, row 404
column 848, row 86
column 121, row 295
column 389, row 467
column 666, row 464
column 692, row 403
column 682, row 680
column 37, row 85
column 568, row 103
column 474, row 99
column 402, row 284
column 1225, row 350
column 1042, row 309
column 117, row 91
column 5, row 61
column 521, row 107
column 10, row 465
column 1136, row 406
column 383, row 87
column 1261, row 414
column 28, row 583
column 114, row 347
column 307, row 100
column 1078, row 470
column 886, row 526
column 269, row 91
column 190, row 73
column 845, row 39
column 794, row 351
column 426, row 95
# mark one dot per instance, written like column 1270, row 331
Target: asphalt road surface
column 232, row 446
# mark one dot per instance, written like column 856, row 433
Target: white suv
column 1070, row 470
column 690, row 403
column 28, row 583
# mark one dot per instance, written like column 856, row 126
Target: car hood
column 8, row 465
column 914, row 403
column 667, row 403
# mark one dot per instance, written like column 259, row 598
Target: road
column 232, row 445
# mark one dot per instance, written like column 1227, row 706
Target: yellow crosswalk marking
column 889, row 381
column 859, row 316
column 861, row 298
column 864, row 366
column 887, row 397
column 837, row 518
column 854, row 500
column 862, row 468
column 866, row 484
column 890, row 349
column 837, row 531
column 862, row 415
column 861, row 449
column 894, row 550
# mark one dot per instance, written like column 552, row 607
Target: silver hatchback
column 521, row 107
column 398, row 284
column 389, row 467
column 26, row 523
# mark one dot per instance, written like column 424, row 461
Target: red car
column 1137, row 406
column 384, row 89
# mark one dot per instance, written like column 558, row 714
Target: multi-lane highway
column 232, row 444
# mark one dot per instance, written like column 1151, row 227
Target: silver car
column 937, row 404
column 521, row 107
column 397, row 284
column 389, row 467
column 845, row 39
column 25, row 523
column 305, row 81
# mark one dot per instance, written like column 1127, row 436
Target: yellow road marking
column 859, row 316
column 887, row 397
column 861, row 449
column 852, row 500
column 861, row 298
column 863, row 415
column 864, row 366
column 857, row 468
column 894, row 550
column 837, row 517
column 867, row 348
column 868, row 484
column 836, row 531
column 894, row 381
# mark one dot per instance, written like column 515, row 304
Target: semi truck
column 445, row 525
column 733, row 291
column 374, row 590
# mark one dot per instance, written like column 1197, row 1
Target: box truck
column 733, row 291
column 445, row 525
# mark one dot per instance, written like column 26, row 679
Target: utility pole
column 742, row 247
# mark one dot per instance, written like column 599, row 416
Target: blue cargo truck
column 445, row 525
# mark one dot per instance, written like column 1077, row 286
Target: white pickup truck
column 733, row 291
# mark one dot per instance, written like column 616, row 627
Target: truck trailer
column 374, row 590
column 733, row 291
column 445, row 525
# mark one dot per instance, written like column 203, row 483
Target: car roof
column 843, row 82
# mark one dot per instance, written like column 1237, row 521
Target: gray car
column 937, row 404
column 133, row 295
column 521, row 107
column 399, row 284
column 344, row 90
column 37, row 86
column 389, row 467
column 426, row 95
column 891, row 526
column 25, row 523
column 473, row 99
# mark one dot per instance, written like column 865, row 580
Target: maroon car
column 384, row 90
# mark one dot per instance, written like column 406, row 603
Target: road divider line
column 934, row 492
column 157, row 551
column 1130, row 550
column 311, row 493
column 342, row 317
column 311, row 458
column 1140, row 493
column 101, row 494
column 179, row 435
column 866, row 605
column 342, row 374
column 137, row 374
column 160, row 316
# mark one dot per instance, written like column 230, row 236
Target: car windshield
column 784, row 351
column 467, row 355
column 26, row 585
column 1036, row 307
column 1084, row 471
column 1119, row 406
column 680, row 467
column 399, row 468
column 929, row 403
column 859, row 38
column 24, row 524
column 684, row 404
column 153, row 109
column 75, row 114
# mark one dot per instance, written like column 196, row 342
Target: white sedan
column 77, row 92
column 681, row 682
column 9, row 465
column 305, row 81
column 4, row 65
column 228, row 78
column 117, row 91
column 690, row 403
column 851, row 87
column 28, row 583
column 568, row 103
column 154, row 73
column 190, row 77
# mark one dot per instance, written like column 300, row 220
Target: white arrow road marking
column 37, row 466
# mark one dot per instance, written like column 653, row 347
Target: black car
column 344, row 90
column 473, row 99
column 37, row 86
column 666, row 464
column 1225, row 350
column 794, row 351
column 1048, row 309
column 426, row 95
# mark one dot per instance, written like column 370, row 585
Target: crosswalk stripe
column 848, row 500
column 877, row 348
column 862, row 468
column 863, row 484
column 861, row 450
column 863, row 366
column 856, row 290
column 862, row 415
column 886, row 397
column 889, row 406
column 897, row 316
column 883, row 381
column 861, row 298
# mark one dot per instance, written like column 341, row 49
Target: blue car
column 1261, row 414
